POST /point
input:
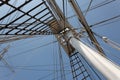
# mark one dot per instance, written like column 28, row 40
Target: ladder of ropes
column 47, row 21
column 79, row 70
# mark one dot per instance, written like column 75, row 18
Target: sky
column 31, row 59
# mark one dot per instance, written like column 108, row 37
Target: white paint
column 110, row 70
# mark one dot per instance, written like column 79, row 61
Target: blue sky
column 36, row 63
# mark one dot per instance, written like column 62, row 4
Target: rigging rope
column 110, row 42
column 105, row 66
column 103, row 3
column 117, row 57
column 91, row 68
column 79, row 69
column 13, row 38
column 63, row 76
column 88, row 7
column 95, row 6
column 3, row 60
column 26, row 52
column 104, row 21
column 14, row 3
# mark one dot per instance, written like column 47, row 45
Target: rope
column 110, row 42
column 88, row 7
column 63, row 76
column 91, row 67
column 26, row 52
column 95, row 7
column 104, row 21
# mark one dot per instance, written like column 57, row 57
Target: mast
column 109, row 69
column 51, row 20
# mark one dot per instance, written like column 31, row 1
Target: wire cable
column 88, row 7
column 106, row 2
column 30, row 50
column 63, row 76
column 104, row 21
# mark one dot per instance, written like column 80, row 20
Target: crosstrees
column 29, row 18
column 38, row 22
